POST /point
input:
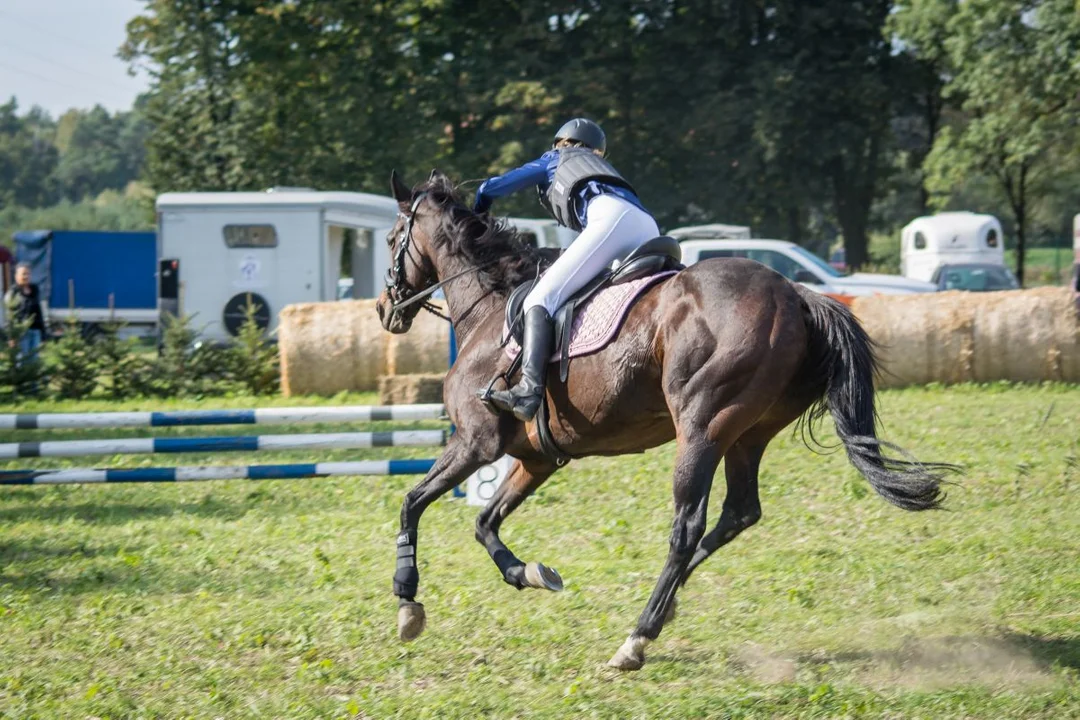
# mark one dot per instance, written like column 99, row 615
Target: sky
column 61, row 54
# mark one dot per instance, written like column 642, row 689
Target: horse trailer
column 949, row 238
column 218, row 251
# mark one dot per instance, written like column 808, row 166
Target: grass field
column 272, row 600
column 1044, row 266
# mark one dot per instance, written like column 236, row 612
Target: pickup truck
column 802, row 266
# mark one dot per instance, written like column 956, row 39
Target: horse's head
column 412, row 269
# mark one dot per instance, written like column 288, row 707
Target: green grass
column 272, row 599
column 1043, row 266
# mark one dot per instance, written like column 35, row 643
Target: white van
column 948, row 239
column 802, row 266
column 217, row 249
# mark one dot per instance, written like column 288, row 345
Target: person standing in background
column 23, row 300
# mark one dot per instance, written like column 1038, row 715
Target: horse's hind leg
column 695, row 466
column 742, row 506
column 521, row 481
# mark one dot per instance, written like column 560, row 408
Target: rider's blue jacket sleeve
column 536, row 172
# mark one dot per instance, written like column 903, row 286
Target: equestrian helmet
column 585, row 132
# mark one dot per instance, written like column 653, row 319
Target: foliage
column 255, row 363
column 185, row 367
column 123, row 371
column 133, row 209
column 19, row 376
column 43, row 161
column 256, row 600
column 72, row 362
column 1012, row 77
column 26, row 157
column 783, row 123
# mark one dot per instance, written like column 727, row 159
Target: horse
column 720, row 357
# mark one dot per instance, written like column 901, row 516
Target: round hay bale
column 920, row 338
column 424, row 349
column 411, row 389
column 330, row 347
column 1025, row 335
column 951, row 337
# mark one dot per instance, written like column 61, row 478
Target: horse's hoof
column 673, row 611
column 538, row 575
column 631, row 655
column 410, row 621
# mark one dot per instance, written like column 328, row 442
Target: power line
column 48, row 31
column 63, row 66
column 30, row 73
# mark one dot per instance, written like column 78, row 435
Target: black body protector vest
column 577, row 166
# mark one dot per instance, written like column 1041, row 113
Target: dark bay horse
column 720, row 358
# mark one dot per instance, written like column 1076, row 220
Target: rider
column 584, row 192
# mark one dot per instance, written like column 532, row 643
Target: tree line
column 808, row 121
column 81, row 154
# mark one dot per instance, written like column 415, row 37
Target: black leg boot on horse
column 523, row 400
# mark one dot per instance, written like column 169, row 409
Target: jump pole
column 184, row 418
column 248, row 443
column 197, row 473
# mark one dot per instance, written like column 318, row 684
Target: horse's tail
column 839, row 370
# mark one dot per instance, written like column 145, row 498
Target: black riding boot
column 524, row 398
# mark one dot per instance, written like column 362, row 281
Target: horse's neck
column 468, row 303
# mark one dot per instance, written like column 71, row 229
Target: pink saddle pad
column 598, row 321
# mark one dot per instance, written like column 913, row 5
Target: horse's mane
column 482, row 240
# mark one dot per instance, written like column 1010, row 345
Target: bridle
column 400, row 293
column 403, row 296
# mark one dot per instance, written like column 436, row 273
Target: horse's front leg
column 519, row 483
column 459, row 460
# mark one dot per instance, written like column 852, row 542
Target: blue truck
column 95, row 276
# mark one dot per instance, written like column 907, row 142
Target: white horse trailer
column 949, row 238
column 218, row 250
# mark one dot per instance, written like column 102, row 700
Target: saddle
column 659, row 255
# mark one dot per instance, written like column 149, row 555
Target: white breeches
column 614, row 228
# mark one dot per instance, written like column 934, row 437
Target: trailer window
column 920, row 241
column 250, row 236
column 992, row 238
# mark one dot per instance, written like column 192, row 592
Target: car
column 802, row 266
column 976, row 277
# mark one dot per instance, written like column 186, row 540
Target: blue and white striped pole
column 259, row 416
column 249, row 443
column 196, row 473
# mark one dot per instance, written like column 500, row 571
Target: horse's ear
column 437, row 174
column 399, row 189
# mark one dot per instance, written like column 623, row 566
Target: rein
column 424, row 294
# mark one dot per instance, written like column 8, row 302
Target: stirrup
column 485, row 394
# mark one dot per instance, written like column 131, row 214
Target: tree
column 98, row 151
column 921, row 27
column 1014, row 78
column 27, row 157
